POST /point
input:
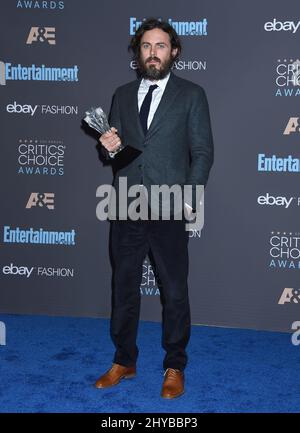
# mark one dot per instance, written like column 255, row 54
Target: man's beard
column 150, row 72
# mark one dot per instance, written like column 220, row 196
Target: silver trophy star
column 97, row 119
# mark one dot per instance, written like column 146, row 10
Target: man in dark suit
column 167, row 119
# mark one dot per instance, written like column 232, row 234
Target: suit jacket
column 178, row 146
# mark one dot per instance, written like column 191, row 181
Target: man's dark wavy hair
column 150, row 24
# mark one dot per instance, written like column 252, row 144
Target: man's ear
column 174, row 51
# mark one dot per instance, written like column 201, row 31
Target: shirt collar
column 161, row 83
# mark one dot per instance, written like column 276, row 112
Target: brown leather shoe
column 114, row 375
column 173, row 385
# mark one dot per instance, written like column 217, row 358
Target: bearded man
column 167, row 119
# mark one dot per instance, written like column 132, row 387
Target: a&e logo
column 41, row 199
column 41, row 34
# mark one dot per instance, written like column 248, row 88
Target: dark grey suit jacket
column 178, row 147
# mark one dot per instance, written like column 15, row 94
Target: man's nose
column 153, row 51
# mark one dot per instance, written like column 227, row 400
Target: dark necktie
column 144, row 111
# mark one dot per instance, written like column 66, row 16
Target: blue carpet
column 50, row 364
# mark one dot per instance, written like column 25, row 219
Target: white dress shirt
column 156, row 95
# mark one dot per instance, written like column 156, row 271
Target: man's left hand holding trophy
column 111, row 141
column 97, row 119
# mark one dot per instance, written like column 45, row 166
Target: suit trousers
column 130, row 243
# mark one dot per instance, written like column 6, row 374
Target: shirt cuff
column 188, row 206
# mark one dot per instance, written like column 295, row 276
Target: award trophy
column 97, row 119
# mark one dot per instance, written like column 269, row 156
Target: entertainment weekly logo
column 284, row 250
column 10, row 72
column 183, row 28
column 278, row 164
column 38, row 236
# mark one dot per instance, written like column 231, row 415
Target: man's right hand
column 110, row 140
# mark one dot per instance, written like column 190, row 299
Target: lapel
column 134, row 103
column 170, row 92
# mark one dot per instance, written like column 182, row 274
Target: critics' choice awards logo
column 284, row 250
column 149, row 284
column 287, row 77
column 10, row 72
column 41, row 157
column 41, row 34
column 41, row 200
column 37, row 271
column 292, row 126
column 38, row 236
column 289, row 296
column 41, row 5
column 32, row 110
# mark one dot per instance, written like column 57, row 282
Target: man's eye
column 161, row 45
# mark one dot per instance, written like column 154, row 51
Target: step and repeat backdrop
column 57, row 59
